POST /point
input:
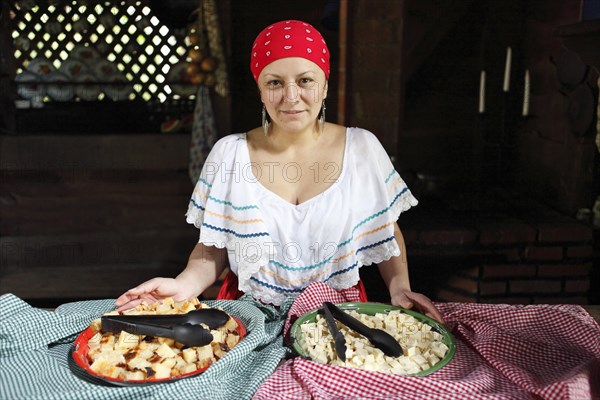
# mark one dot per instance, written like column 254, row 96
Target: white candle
column 506, row 84
column 526, row 91
column 482, row 92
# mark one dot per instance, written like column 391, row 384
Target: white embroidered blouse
column 276, row 248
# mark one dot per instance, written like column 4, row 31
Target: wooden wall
column 374, row 68
column 84, row 216
column 91, row 216
column 557, row 155
column 93, row 212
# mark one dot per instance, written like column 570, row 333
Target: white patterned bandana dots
column 289, row 38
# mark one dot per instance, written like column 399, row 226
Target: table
column 507, row 351
column 486, row 334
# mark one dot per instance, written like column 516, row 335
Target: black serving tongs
column 184, row 328
column 378, row 337
column 338, row 337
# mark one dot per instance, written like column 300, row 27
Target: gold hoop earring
column 265, row 121
column 322, row 117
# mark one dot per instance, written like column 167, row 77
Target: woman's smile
column 292, row 90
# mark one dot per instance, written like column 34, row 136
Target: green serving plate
column 372, row 309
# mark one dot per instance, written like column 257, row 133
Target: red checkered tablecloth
column 503, row 352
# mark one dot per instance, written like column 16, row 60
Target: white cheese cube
column 139, row 363
column 146, row 353
column 94, row 341
column 188, row 368
column 355, row 361
column 169, row 362
column 107, row 342
column 320, row 357
column 165, row 351
column 412, row 351
column 377, row 322
column 439, row 349
column 127, row 340
column 232, row 340
column 190, row 355
column 419, row 359
column 168, row 341
column 379, row 356
column 164, row 308
column 114, row 372
column 99, row 365
column 134, row 375
column 422, row 345
column 413, row 369
column 432, row 360
column 398, row 370
column 205, row 353
column 162, row 371
column 231, row 325
column 349, row 353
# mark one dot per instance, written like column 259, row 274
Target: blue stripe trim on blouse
column 276, row 288
column 227, row 203
column 300, row 268
column 370, row 246
column 329, row 259
column 205, row 182
column 350, row 268
column 240, row 235
column 197, row 205
column 377, row 214
column 390, row 176
column 342, row 271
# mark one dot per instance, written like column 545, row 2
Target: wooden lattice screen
column 126, row 35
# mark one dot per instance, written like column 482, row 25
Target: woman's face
column 292, row 90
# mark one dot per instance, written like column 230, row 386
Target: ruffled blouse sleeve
column 206, row 181
column 397, row 193
column 380, row 194
column 219, row 207
column 374, row 173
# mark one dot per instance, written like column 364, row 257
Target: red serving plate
column 81, row 348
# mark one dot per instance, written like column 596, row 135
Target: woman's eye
column 274, row 82
column 306, row 81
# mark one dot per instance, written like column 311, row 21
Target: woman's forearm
column 395, row 270
column 205, row 265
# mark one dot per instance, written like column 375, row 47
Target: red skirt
column 229, row 289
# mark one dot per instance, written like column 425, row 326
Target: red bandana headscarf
column 289, row 39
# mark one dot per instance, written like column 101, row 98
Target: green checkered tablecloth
column 35, row 354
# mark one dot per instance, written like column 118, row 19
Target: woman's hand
column 204, row 266
column 152, row 291
column 408, row 299
column 395, row 275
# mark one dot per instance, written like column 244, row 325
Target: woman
column 296, row 200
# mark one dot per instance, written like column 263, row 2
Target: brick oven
column 499, row 188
